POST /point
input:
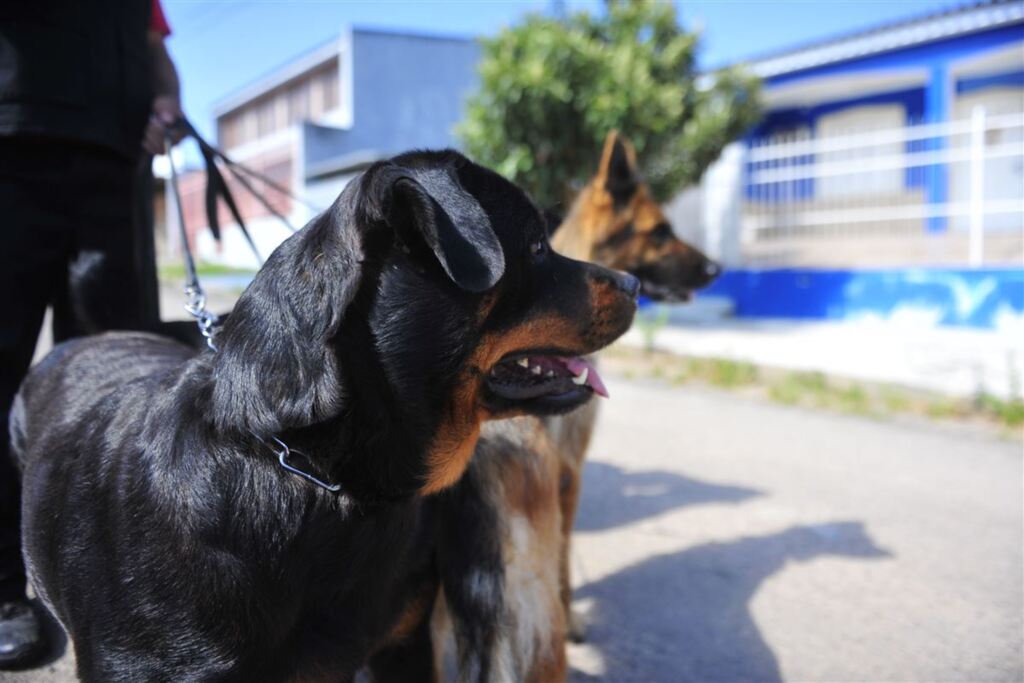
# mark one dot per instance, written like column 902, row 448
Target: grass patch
column 649, row 321
column 803, row 388
column 176, row 271
column 784, row 392
column 854, row 399
column 1010, row 412
column 812, row 389
column 894, row 401
column 728, row 373
column 719, row 372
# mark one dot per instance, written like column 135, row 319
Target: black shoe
column 22, row 639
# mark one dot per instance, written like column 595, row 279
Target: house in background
column 313, row 124
column 885, row 179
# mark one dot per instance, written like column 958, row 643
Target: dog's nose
column 712, row 270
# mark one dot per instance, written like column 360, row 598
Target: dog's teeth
column 549, row 373
column 523, row 362
column 581, row 378
column 535, row 369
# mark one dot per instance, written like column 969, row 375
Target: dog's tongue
column 577, row 365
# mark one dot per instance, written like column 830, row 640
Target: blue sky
column 220, row 45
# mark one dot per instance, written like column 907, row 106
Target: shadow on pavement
column 685, row 616
column 612, row 496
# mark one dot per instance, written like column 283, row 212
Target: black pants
column 66, row 240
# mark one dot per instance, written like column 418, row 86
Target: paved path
column 723, row 539
column 728, row 540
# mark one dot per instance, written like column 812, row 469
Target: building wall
column 309, row 98
column 380, row 94
column 987, row 298
column 409, row 93
column 930, row 76
column 792, row 265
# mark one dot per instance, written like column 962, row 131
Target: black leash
column 195, row 296
column 217, row 190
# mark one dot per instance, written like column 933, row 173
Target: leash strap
column 242, row 174
column 195, row 297
column 216, row 189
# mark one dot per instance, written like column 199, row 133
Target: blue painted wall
column 409, row 92
column 948, row 296
column 927, row 104
column 939, row 52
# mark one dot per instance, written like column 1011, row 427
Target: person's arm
column 166, row 96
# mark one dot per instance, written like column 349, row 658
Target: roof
column 948, row 23
column 278, row 77
column 304, row 63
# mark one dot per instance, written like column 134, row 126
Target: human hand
column 166, row 112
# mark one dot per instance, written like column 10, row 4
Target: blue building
column 317, row 121
column 887, row 175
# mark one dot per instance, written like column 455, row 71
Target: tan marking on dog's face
column 457, row 435
column 615, row 248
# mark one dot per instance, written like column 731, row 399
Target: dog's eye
column 538, row 249
column 662, row 233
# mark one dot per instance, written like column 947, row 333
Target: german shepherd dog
column 526, row 472
column 615, row 222
column 262, row 512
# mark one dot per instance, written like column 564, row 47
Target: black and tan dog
column 526, row 472
column 176, row 536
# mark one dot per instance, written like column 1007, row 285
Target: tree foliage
column 551, row 90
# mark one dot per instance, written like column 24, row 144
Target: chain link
column 195, row 304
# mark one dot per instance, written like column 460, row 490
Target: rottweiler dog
column 526, row 473
column 263, row 512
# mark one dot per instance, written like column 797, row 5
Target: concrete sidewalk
column 726, row 539
column 950, row 360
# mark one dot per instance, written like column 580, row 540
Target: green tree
column 552, row 89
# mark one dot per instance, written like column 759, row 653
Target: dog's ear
column 430, row 206
column 275, row 368
column 618, row 171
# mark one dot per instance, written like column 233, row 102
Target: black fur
column 622, row 181
column 160, row 528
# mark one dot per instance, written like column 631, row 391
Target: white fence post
column 976, row 221
column 722, row 190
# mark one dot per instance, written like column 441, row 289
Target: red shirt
column 157, row 20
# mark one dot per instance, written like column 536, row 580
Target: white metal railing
column 880, row 163
column 770, row 149
column 963, row 177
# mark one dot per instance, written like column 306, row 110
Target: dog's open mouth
column 665, row 293
column 528, row 376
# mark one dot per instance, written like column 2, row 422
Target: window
column 887, row 177
column 330, row 79
column 266, row 119
column 298, row 102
